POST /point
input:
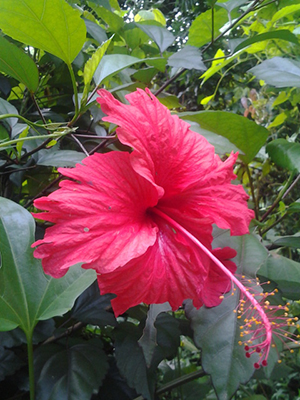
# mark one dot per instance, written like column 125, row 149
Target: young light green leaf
column 282, row 34
column 51, row 25
column 14, row 62
column 91, row 66
column 243, row 133
column 26, row 293
column 285, row 154
column 284, row 12
column 201, row 29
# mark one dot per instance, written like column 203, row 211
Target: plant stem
column 279, row 197
column 252, row 192
column 74, row 84
column 274, row 224
column 30, row 364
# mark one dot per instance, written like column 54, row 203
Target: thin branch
column 79, row 144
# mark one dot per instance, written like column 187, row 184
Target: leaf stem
column 252, row 192
column 279, row 197
column 74, row 84
column 30, row 364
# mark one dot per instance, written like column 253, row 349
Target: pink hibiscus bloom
column 115, row 215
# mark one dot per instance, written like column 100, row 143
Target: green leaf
column 60, row 158
column 287, row 241
column 161, row 36
column 148, row 340
column 70, row 372
column 7, row 108
column 284, row 12
column 285, row 154
column 285, row 273
column 51, row 25
column 188, row 57
column 91, row 66
column 110, row 18
column 231, row 4
column 131, row 361
column 278, row 71
column 243, row 133
column 201, row 29
column 14, row 62
column 282, row 34
column 26, row 293
column 9, row 362
column 113, row 63
column 216, row 329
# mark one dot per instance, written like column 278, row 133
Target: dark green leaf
column 61, row 158
column 243, row 133
column 9, row 363
column 131, row 361
column 188, row 57
column 51, row 25
column 288, row 241
column 285, row 273
column 216, row 330
column 7, row 108
column 70, row 372
column 148, row 339
column 92, row 308
column 95, row 31
column 285, row 154
column 14, row 62
column 26, row 293
column 282, row 34
column 279, row 72
column 161, row 36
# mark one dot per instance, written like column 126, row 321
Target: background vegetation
column 232, row 69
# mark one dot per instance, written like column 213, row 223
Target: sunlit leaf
column 14, row 62
column 243, row 133
column 51, row 25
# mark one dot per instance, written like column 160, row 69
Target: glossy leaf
column 243, row 133
column 161, row 36
column 14, row 62
column 148, row 340
column 51, row 25
column 285, row 273
column 201, row 29
column 131, row 361
column 287, row 241
column 70, row 372
column 282, row 34
column 278, row 71
column 285, row 154
column 188, row 57
column 7, row 108
column 26, row 293
column 92, row 308
column 216, row 329
column 61, row 158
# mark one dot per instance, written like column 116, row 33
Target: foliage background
column 232, row 69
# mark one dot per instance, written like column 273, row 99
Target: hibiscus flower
column 130, row 215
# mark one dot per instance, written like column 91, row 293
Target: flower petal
column 100, row 220
column 165, row 151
